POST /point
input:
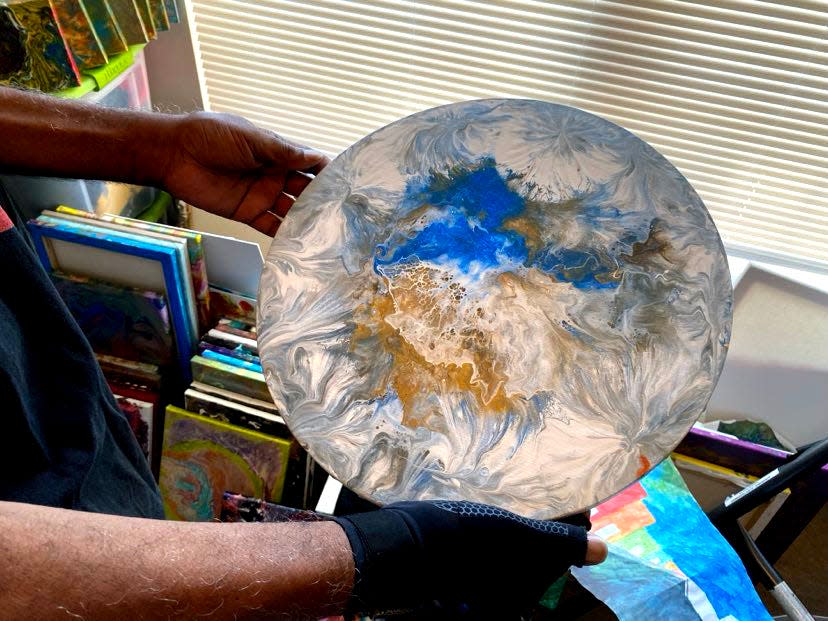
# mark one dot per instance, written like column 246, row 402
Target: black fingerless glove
column 462, row 558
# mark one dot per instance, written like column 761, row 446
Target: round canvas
column 505, row 301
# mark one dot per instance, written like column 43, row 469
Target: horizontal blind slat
column 731, row 91
column 640, row 37
column 761, row 98
column 489, row 86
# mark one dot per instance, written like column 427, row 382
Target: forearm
column 67, row 564
column 47, row 136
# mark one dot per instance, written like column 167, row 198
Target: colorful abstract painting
column 119, row 321
column 76, row 28
column 106, row 27
column 666, row 560
column 203, row 458
column 506, row 301
column 40, row 58
column 225, row 303
column 129, row 20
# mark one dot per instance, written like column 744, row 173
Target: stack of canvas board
column 49, row 45
column 137, row 289
column 229, row 411
column 230, row 432
column 139, row 292
column 142, row 294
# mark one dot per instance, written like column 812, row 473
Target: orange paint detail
column 418, row 383
column 645, row 466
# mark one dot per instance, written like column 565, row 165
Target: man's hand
column 459, row 559
column 226, row 165
column 218, row 162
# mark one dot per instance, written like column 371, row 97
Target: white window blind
column 733, row 92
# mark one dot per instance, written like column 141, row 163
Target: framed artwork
column 195, row 250
column 93, row 227
column 125, row 260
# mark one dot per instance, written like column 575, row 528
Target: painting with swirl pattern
column 202, row 458
column 507, row 301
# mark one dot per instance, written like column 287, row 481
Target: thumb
column 596, row 550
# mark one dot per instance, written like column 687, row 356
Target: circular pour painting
column 504, row 301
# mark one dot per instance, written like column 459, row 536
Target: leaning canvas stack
column 153, row 309
column 47, row 45
column 138, row 291
column 230, row 437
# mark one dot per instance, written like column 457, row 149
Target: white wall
column 175, row 77
column 777, row 363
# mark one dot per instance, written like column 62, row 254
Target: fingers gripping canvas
column 505, row 301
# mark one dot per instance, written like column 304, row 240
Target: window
column 733, row 92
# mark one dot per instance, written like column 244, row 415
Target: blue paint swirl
column 475, row 204
column 582, row 269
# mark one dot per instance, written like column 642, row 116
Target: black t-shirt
column 65, row 442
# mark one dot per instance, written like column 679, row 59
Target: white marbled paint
column 577, row 384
